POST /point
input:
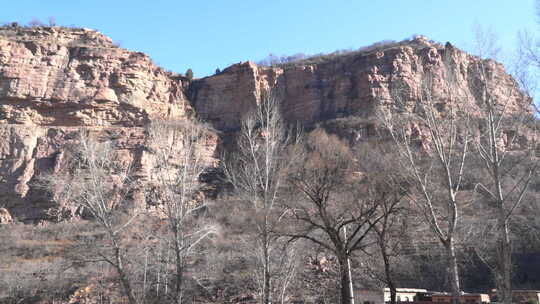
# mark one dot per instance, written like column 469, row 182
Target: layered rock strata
column 354, row 84
column 56, row 83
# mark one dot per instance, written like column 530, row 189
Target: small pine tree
column 218, row 71
column 189, row 74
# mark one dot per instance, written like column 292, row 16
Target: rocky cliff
column 351, row 84
column 55, row 82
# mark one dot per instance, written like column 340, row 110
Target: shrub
column 35, row 22
column 189, row 74
column 300, row 58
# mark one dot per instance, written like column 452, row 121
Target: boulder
column 5, row 216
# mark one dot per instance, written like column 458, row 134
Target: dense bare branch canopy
column 432, row 141
column 100, row 183
column 258, row 172
column 175, row 190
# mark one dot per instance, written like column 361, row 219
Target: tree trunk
column 179, row 274
column 266, row 299
column 505, row 260
column 391, row 286
column 124, row 280
column 127, row 286
column 266, row 287
column 504, row 254
column 393, row 293
column 346, row 295
column 388, row 273
column 453, row 272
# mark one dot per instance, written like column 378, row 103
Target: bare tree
column 505, row 147
column 333, row 209
column 526, row 64
column 257, row 172
column 390, row 233
column 175, row 190
column 100, row 185
column 433, row 145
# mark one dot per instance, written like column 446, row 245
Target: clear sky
column 204, row 35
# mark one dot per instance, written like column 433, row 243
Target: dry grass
column 33, row 259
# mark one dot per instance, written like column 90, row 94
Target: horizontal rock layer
column 57, row 82
column 355, row 84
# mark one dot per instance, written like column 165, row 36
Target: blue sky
column 204, row 35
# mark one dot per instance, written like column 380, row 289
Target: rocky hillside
column 56, row 82
column 351, row 84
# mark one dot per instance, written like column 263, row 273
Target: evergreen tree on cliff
column 189, row 74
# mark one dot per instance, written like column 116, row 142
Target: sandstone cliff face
column 355, row 84
column 57, row 82
column 59, row 77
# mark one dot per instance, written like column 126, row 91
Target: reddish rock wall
column 56, row 82
column 353, row 84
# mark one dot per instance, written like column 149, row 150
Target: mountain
column 57, row 82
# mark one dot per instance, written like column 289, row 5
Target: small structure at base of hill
column 417, row 296
column 465, row 298
column 523, row 296
column 381, row 296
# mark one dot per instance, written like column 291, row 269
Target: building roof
column 407, row 289
column 462, row 294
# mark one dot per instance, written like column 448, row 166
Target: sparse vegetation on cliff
column 303, row 59
column 189, row 74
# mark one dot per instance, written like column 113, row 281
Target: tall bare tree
column 258, row 171
column 390, row 233
column 433, row 144
column 505, row 147
column 333, row 208
column 178, row 148
column 100, row 184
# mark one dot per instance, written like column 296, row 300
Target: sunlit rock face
column 56, row 83
column 356, row 84
column 68, row 77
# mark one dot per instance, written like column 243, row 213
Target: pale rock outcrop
column 5, row 216
column 56, row 83
column 355, row 84
column 68, row 77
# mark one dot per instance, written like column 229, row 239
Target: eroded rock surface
column 61, row 77
column 5, row 217
column 57, row 82
column 355, row 84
